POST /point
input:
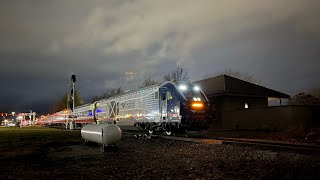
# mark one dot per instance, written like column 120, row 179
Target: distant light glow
column 129, row 73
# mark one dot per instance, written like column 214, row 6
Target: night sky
column 43, row 42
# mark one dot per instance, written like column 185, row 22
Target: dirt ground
column 58, row 154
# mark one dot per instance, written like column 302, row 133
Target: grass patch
column 15, row 141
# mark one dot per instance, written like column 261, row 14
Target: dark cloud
column 44, row 42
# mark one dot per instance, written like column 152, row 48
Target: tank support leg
column 102, row 148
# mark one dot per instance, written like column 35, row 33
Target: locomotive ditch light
column 196, row 99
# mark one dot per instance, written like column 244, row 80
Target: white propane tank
column 105, row 134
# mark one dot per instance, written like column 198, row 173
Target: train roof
column 134, row 91
column 145, row 89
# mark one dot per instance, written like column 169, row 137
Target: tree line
column 179, row 74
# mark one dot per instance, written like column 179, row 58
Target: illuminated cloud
column 43, row 42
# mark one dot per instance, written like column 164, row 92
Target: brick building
column 228, row 94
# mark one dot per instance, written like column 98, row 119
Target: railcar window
column 156, row 95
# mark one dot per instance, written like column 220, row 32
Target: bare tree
column 148, row 82
column 177, row 74
column 108, row 93
column 95, row 98
column 236, row 74
column 304, row 99
column 315, row 92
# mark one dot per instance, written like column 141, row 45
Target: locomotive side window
column 163, row 96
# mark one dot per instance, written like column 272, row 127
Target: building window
column 246, row 105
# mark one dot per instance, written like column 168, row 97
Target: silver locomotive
column 169, row 106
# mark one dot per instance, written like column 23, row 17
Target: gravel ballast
column 158, row 158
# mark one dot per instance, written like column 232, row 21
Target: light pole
column 30, row 117
column 13, row 113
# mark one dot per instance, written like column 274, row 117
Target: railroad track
column 235, row 141
column 305, row 148
column 274, row 145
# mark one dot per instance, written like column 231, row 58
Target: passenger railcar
column 81, row 115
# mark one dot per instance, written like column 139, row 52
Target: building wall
column 277, row 118
column 222, row 103
column 236, row 102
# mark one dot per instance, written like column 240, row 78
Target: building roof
column 227, row 85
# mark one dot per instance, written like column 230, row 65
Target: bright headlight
column 196, row 88
column 182, row 87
